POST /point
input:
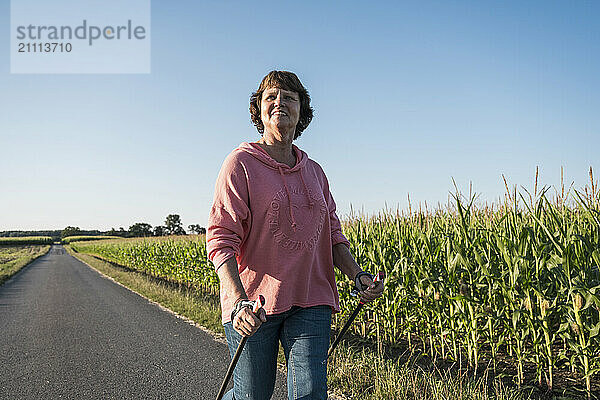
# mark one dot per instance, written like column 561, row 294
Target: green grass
column 359, row 373
column 15, row 257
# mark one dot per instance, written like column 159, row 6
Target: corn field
column 26, row 240
column 70, row 239
column 517, row 281
column 178, row 259
column 521, row 280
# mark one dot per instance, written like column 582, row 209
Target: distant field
column 13, row 258
column 70, row 239
column 25, row 240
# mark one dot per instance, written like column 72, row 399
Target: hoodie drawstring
column 289, row 198
column 310, row 200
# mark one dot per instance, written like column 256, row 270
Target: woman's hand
column 246, row 323
column 373, row 291
column 346, row 263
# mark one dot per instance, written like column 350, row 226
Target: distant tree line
column 172, row 226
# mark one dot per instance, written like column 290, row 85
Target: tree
column 140, row 229
column 173, row 225
column 197, row 229
column 70, row 231
column 159, row 230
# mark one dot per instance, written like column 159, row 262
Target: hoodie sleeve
column 336, row 228
column 229, row 218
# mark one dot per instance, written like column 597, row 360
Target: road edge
column 216, row 336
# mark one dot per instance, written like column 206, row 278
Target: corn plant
column 467, row 283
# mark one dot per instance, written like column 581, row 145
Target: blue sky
column 406, row 97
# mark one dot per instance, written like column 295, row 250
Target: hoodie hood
column 301, row 159
column 257, row 152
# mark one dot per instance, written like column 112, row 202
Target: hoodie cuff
column 339, row 238
column 221, row 256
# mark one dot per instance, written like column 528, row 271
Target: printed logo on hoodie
column 302, row 230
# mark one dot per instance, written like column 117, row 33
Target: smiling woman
column 291, row 85
column 280, row 109
column 273, row 231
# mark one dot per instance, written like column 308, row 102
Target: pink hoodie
column 280, row 224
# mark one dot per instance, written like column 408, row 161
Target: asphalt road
column 68, row 333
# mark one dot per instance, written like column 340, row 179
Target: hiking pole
column 258, row 304
column 379, row 277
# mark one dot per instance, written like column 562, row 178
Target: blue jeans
column 304, row 336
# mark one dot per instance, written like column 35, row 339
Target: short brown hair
column 287, row 81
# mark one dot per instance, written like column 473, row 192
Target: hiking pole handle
column 379, row 277
column 258, row 304
column 376, row 278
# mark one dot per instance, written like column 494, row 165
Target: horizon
column 552, row 193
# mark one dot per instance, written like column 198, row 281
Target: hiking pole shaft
column 258, row 304
column 345, row 328
column 232, row 364
column 380, row 276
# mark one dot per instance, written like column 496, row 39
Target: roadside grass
column 359, row 373
column 354, row 372
column 13, row 258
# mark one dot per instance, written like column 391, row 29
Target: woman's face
column 280, row 110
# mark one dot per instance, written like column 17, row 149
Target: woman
column 273, row 230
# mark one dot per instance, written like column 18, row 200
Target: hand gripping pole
column 258, row 304
column 379, row 277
